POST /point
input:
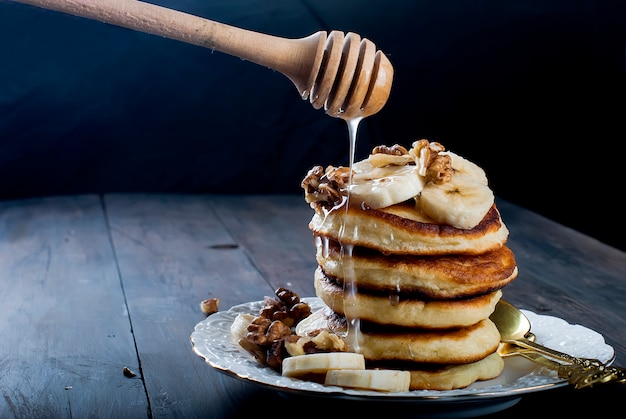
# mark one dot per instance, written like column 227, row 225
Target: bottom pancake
column 450, row 377
column 398, row 311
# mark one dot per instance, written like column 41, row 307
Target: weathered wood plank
column 173, row 252
column 69, row 309
column 274, row 231
column 65, row 331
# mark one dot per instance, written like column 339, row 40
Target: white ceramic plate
column 211, row 340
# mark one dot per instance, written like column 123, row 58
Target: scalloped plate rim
column 211, row 341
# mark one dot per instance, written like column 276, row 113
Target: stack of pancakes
column 410, row 293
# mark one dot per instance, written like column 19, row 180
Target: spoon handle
column 584, row 362
column 578, row 375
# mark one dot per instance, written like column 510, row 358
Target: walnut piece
column 267, row 332
column 318, row 341
column 326, row 186
column 210, row 306
column 395, row 150
column 440, row 170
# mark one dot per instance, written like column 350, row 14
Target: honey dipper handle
column 295, row 58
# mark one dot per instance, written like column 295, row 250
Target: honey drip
column 349, row 285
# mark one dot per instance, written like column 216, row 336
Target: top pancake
column 452, row 376
column 402, row 229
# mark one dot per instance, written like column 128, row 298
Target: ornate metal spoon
column 516, row 339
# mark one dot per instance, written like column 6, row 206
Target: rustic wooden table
column 92, row 284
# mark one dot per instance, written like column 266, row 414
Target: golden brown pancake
column 394, row 309
column 448, row 346
column 450, row 377
column 433, row 277
column 402, row 229
column 416, row 293
column 460, row 345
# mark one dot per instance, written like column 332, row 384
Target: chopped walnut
column 383, row 155
column 382, row 160
column 288, row 297
column 266, row 333
column 257, row 331
column 312, row 180
column 338, row 176
column 263, row 331
column 432, row 165
column 318, row 341
column 210, row 306
column 292, row 315
column 275, row 354
column 395, row 150
column 440, row 170
column 421, row 154
column 325, row 186
column 259, row 352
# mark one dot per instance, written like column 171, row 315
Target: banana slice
column 461, row 202
column 239, row 328
column 320, row 363
column 462, row 166
column 379, row 187
column 379, row 380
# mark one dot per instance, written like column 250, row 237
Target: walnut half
column 319, row 341
column 326, row 186
column 266, row 333
column 210, row 306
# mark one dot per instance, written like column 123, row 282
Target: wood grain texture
column 65, row 329
column 89, row 285
column 173, row 252
column 274, row 231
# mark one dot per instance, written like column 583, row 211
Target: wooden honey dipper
column 340, row 72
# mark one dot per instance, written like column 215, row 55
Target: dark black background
column 533, row 91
